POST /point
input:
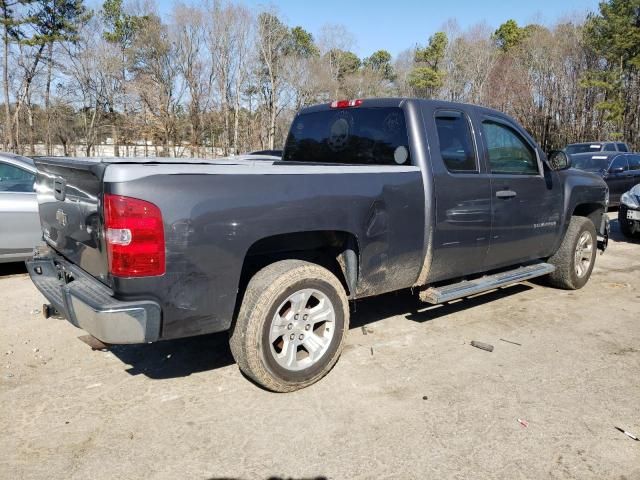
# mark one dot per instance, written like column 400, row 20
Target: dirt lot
column 410, row 398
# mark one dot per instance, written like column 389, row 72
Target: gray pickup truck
column 370, row 196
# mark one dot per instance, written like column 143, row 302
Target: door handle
column 505, row 194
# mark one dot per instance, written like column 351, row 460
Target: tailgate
column 69, row 196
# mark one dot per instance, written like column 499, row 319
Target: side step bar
column 466, row 288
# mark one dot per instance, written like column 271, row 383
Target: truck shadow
column 408, row 305
column 186, row 356
column 12, row 268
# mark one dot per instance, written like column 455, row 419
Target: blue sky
column 399, row 24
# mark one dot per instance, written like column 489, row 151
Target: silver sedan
column 19, row 220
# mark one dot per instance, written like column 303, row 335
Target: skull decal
column 339, row 135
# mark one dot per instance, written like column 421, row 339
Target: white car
column 19, row 221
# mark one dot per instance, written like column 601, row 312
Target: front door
column 526, row 200
column 462, row 196
column 618, row 178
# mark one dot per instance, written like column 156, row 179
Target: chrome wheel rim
column 583, row 255
column 301, row 330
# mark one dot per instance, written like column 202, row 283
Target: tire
column 623, row 222
column 567, row 275
column 283, row 303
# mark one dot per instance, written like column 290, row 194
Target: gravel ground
column 410, row 398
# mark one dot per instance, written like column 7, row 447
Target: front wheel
column 576, row 256
column 291, row 325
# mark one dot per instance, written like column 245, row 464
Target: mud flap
column 603, row 234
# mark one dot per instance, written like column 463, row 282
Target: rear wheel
column 576, row 256
column 291, row 326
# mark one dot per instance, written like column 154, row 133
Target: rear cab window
column 351, row 136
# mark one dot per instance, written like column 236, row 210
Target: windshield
column 357, row 136
column 583, row 148
column 590, row 163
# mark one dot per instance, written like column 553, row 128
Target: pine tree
column 428, row 76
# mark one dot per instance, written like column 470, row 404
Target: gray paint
column 412, row 225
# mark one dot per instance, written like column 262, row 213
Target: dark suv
column 621, row 171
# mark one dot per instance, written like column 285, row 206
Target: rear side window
column 509, row 153
column 609, row 147
column 356, row 136
column 456, row 143
column 634, row 162
column 14, row 179
column 622, row 147
column 619, row 162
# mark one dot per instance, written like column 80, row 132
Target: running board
column 466, row 288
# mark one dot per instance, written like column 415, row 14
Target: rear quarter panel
column 213, row 215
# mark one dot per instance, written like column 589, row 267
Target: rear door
column 462, row 195
column 526, row 200
column 618, row 178
column 19, row 223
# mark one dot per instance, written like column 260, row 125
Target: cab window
column 352, row 136
column 456, row 143
column 509, row 153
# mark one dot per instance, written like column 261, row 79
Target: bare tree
column 193, row 66
column 157, row 79
column 272, row 38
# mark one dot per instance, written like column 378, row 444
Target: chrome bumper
column 88, row 304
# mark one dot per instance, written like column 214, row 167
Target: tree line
column 218, row 78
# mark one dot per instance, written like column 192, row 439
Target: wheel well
column 337, row 251
column 593, row 211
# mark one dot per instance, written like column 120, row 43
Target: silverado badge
column 61, row 217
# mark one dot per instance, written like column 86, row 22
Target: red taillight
column 346, row 103
column 134, row 234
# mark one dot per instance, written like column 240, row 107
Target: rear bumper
column 88, row 304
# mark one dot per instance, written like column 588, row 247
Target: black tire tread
column 563, row 277
column 262, row 290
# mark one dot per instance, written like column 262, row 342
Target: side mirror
column 616, row 170
column 559, row 160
